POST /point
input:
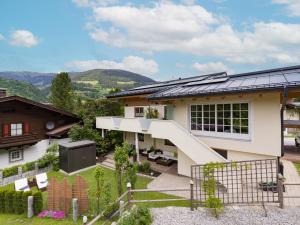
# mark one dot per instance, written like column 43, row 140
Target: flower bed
column 52, row 214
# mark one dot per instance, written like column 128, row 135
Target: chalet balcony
column 12, row 141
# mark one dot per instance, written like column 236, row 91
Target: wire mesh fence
column 242, row 182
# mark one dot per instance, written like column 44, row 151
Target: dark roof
column 154, row 88
column 220, row 83
column 40, row 105
column 77, row 144
column 60, row 130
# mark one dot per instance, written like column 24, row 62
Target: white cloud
column 94, row 3
column 192, row 29
column 212, row 67
column 1, row 37
column 23, row 38
column 293, row 6
column 132, row 63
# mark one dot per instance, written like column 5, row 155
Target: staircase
column 191, row 146
column 108, row 162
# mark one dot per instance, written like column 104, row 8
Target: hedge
column 9, row 201
column 37, row 202
column 2, row 201
column 11, row 171
column 17, row 201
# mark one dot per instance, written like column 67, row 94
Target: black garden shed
column 77, row 155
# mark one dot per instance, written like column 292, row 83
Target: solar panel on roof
column 293, row 77
column 208, row 81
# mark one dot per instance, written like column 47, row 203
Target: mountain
column 35, row 78
column 88, row 84
column 22, row 88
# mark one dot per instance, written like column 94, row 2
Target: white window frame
column 16, row 151
column 246, row 137
column 16, row 129
column 139, row 115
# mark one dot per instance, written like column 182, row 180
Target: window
column 141, row 137
column 168, row 142
column 139, row 112
column 15, row 155
column 221, row 118
column 240, row 118
column 16, row 129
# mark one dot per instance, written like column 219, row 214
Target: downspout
column 284, row 98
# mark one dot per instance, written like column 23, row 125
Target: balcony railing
column 11, row 141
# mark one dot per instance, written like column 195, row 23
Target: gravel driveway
column 244, row 215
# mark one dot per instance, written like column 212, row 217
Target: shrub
column 131, row 173
column 137, row 215
column 28, row 166
column 110, row 210
column 17, row 202
column 25, row 200
column 37, row 202
column 2, row 201
column 7, row 172
column 9, row 199
column 145, row 167
column 107, row 193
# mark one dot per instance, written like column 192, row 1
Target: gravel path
column 235, row 215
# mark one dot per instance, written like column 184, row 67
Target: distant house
column 214, row 117
column 27, row 128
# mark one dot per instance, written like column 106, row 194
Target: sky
column 161, row 39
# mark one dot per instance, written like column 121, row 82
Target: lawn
column 297, row 165
column 109, row 176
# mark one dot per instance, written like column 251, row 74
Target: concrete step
column 108, row 164
column 110, row 156
column 109, row 160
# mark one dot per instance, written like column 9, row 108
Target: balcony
column 13, row 141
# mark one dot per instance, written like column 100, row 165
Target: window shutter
column 5, row 130
column 26, row 128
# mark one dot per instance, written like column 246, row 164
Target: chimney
column 2, row 93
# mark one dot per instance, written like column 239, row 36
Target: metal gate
column 242, row 182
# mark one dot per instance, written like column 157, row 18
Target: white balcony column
column 102, row 133
column 137, row 147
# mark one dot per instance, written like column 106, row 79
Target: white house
column 215, row 117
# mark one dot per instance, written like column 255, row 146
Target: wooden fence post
column 129, row 193
column 20, row 172
column 192, row 194
column 121, row 208
column 280, row 190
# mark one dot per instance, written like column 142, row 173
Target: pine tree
column 62, row 92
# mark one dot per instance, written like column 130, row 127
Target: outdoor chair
column 42, row 181
column 153, row 156
column 22, row 185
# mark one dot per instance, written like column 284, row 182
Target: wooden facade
column 32, row 119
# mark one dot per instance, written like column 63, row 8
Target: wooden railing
column 127, row 199
column 15, row 139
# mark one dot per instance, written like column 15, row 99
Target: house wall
column 129, row 110
column 265, row 127
column 31, row 153
column 149, row 141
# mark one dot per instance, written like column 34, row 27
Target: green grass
column 88, row 175
column 297, row 165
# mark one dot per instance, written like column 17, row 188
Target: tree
column 99, row 177
column 61, row 92
column 121, row 162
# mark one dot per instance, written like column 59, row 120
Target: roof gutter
column 283, row 106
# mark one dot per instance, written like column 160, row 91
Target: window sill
column 229, row 136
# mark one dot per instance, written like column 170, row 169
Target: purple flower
column 52, row 214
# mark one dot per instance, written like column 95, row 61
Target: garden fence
column 243, row 182
column 8, row 180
